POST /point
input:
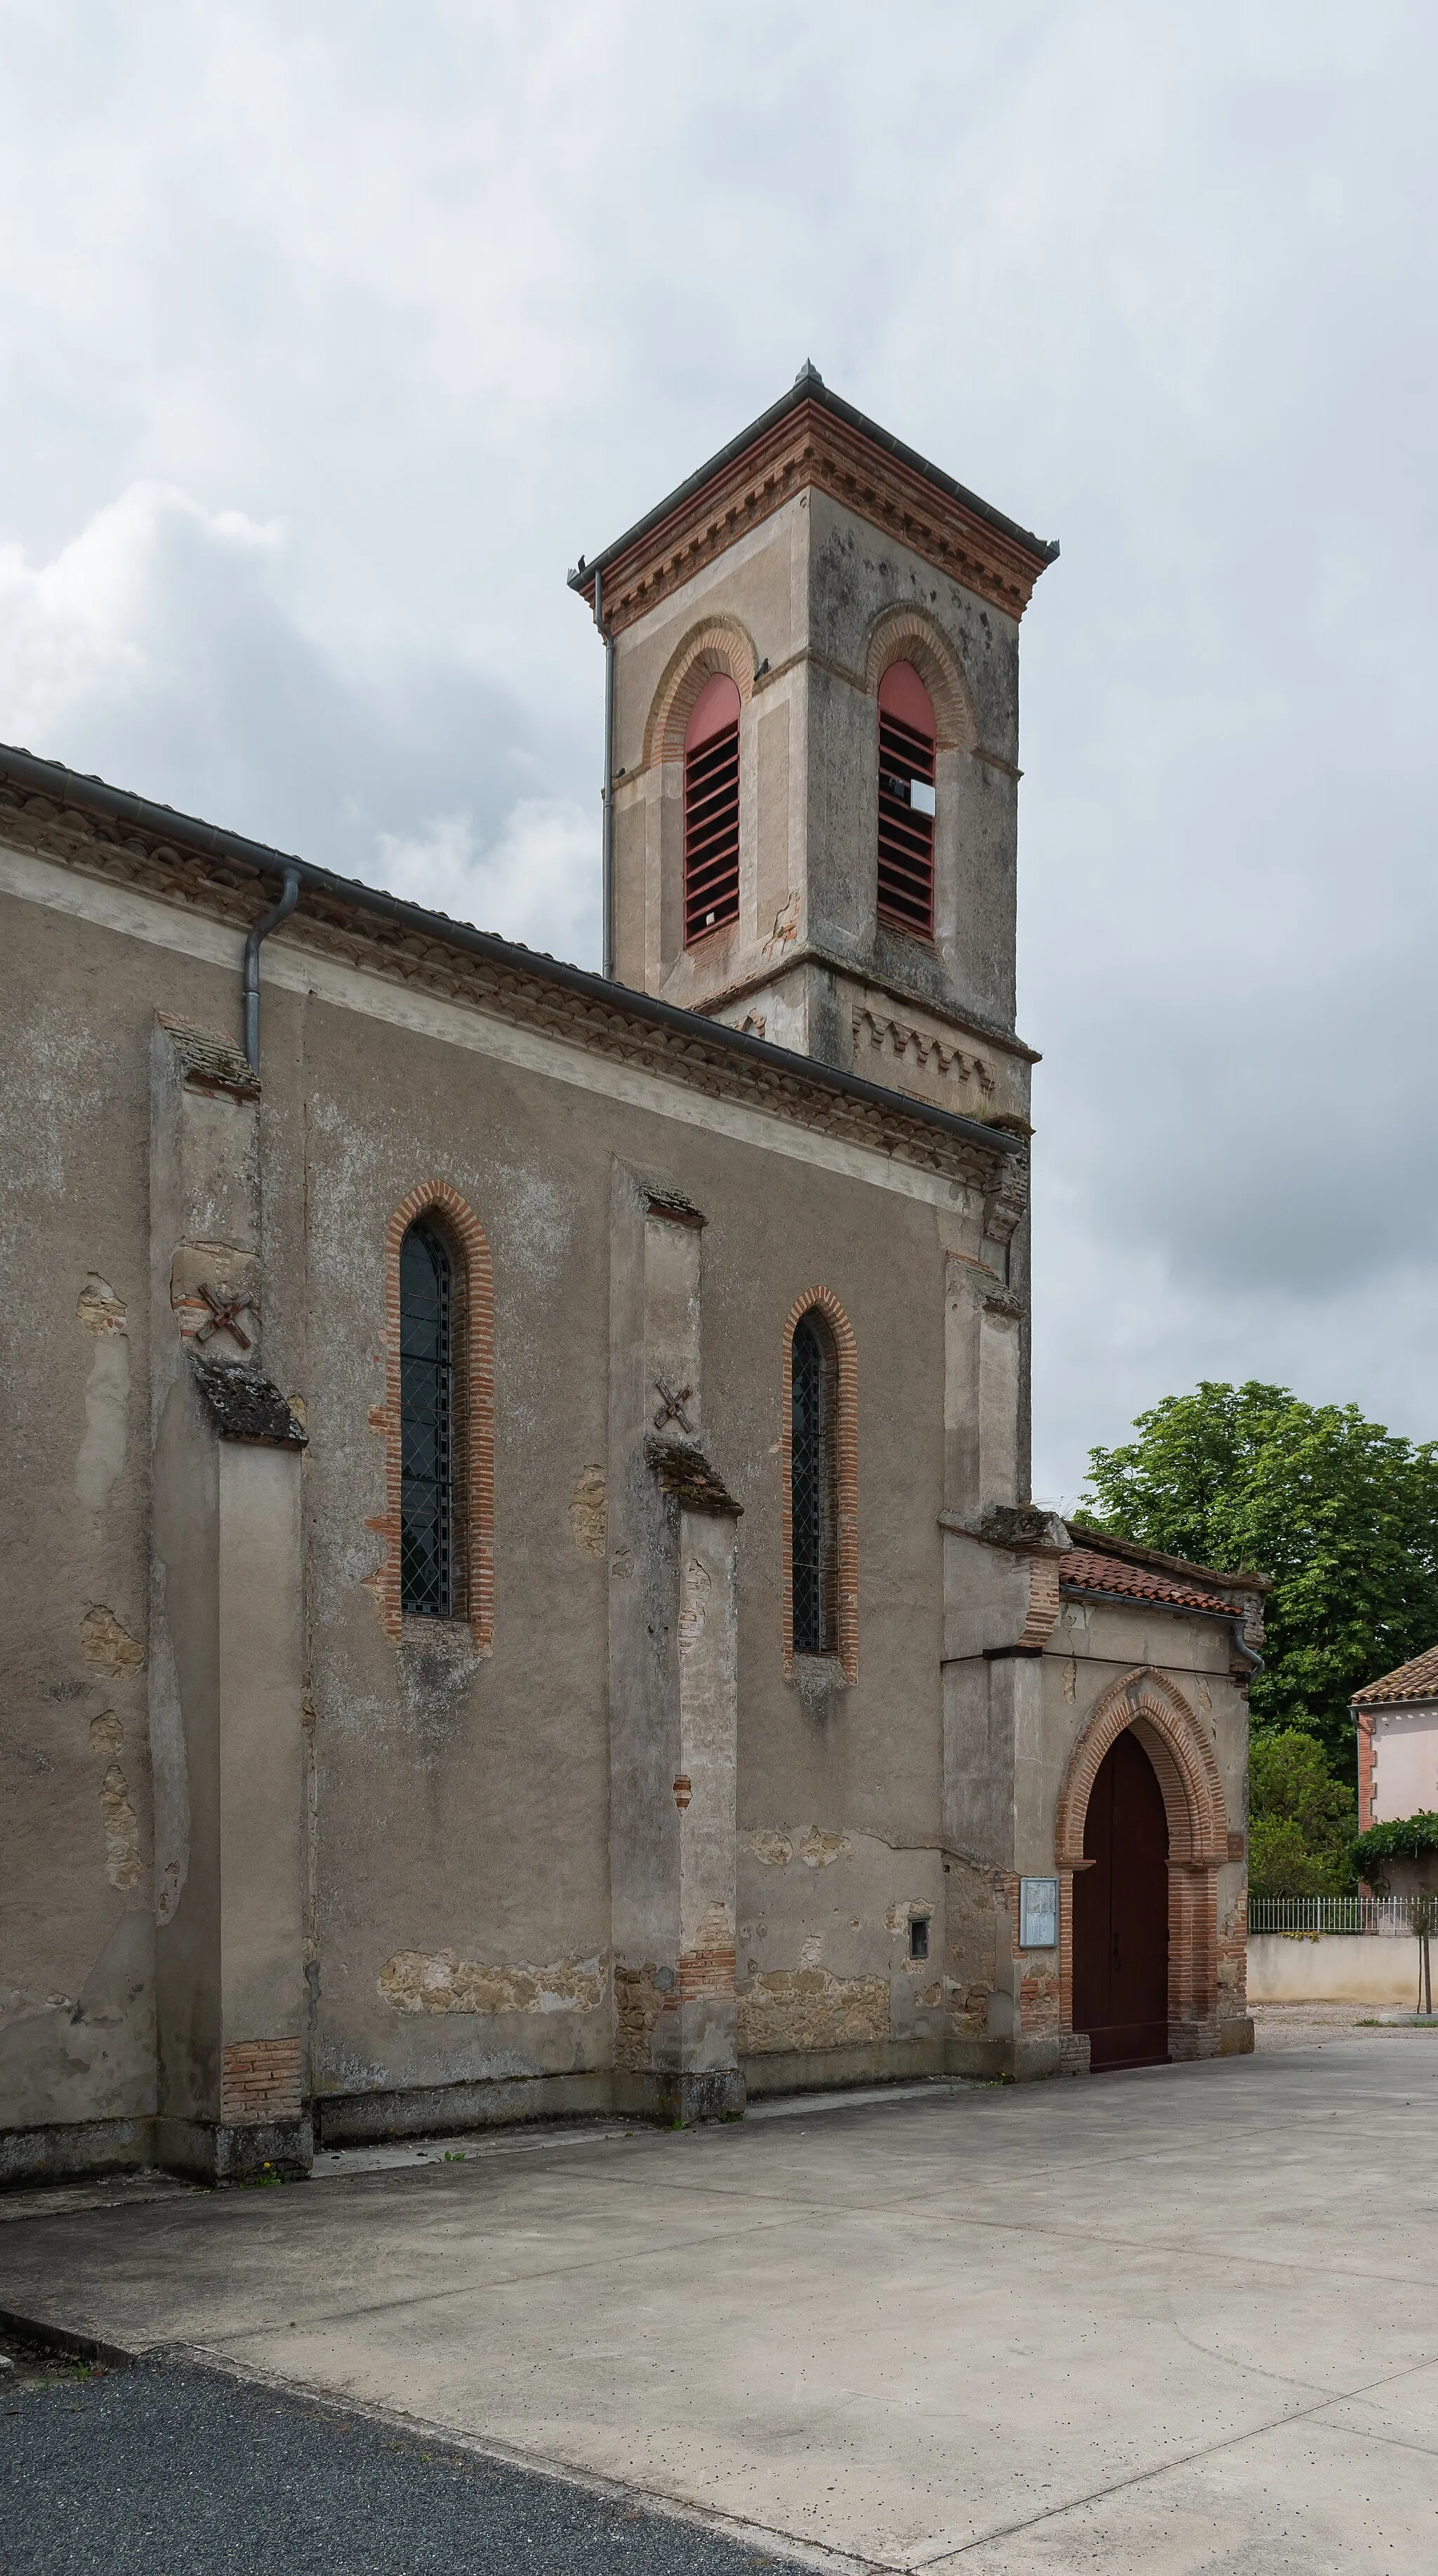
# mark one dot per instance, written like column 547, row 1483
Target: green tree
column 1341, row 1514
column 1301, row 1820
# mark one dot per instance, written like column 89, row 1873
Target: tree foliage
column 1341, row 1513
column 1301, row 1820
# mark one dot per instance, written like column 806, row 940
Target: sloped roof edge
column 809, row 386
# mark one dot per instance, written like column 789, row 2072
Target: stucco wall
column 1405, row 1763
column 455, row 1920
column 457, row 1902
column 1334, row 1968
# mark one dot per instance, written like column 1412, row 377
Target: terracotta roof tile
column 1083, row 1569
column 1418, row 1680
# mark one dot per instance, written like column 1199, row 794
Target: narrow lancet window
column 906, row 802
column 711, row 810
column 427, row 1420
column 814, row 1470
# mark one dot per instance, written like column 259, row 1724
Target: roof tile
column 1415, row 1680
column 1084, row 1569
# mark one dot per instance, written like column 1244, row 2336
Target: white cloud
column 373, row 321
column 535, row 883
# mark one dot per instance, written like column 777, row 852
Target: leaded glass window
column 813, row 1469
column 426, row 1302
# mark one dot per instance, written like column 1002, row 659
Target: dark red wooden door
column 1121, row 1914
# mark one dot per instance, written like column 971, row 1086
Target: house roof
column 1415, row 1680
column 1088, row 1569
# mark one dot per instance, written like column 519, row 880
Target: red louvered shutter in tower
column 906, row 802
column 711, row 810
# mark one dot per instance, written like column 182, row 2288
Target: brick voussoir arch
column 719, row 644
column 846, row 1351
column 1182, row 1756
column 1188, row 1775
column 907, row 635
column 475, row 1376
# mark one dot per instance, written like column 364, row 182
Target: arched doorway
column 1121, row 1911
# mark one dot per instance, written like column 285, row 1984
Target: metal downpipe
column 607, row 845
column 259, row 931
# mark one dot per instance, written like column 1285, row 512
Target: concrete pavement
column 1181, row 2319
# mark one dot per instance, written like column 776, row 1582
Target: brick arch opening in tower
column 907, row 736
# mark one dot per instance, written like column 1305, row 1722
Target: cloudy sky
column 332, row 334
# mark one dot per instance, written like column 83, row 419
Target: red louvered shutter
column 711, row 810
column 906, row 802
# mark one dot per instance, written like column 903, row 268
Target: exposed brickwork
column 720, row 644
column 1367, row 1769
column 906, row 635
column 1043, row 1609
column 1233, row 1957
column 1066, row 1949
column 260, row 2081
column 847, row 1464
column 1181, row 1754
column 811, row 446
column 474, row 1387
column 706, row 1972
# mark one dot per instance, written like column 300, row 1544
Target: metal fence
column 1332, row 1913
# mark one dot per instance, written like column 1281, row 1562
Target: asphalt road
column 167, row 2469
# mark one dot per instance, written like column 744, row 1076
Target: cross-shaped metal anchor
column 671, row 1408
column 222, row 1315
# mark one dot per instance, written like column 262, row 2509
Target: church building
column 521, row 1593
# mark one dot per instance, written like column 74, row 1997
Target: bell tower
column 813, row 742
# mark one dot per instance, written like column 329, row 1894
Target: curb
column 64, row 2339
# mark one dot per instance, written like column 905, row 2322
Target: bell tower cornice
column 811, row 439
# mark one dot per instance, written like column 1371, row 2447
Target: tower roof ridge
column 809, row 388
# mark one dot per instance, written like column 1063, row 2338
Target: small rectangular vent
column 711, row 834
column 906, row 828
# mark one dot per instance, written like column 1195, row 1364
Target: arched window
column 431, row 1563
column 711, row 810
column 906, row 801
column 438, row 1416
column 813, row 1470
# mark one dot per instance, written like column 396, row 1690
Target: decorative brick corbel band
column 474, row 1386
column 846, row 1475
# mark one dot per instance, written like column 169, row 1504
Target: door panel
column 1121, row 1914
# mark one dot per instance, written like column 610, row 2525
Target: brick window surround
column 846, row 1441
column 442, row 1207
column 1199, row 1843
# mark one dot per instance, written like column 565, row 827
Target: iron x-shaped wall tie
column 671, row 1407
column 222, row 1316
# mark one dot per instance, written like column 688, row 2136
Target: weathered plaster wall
column 76, row 2004
column 462, row 1801
column 454, row 1913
